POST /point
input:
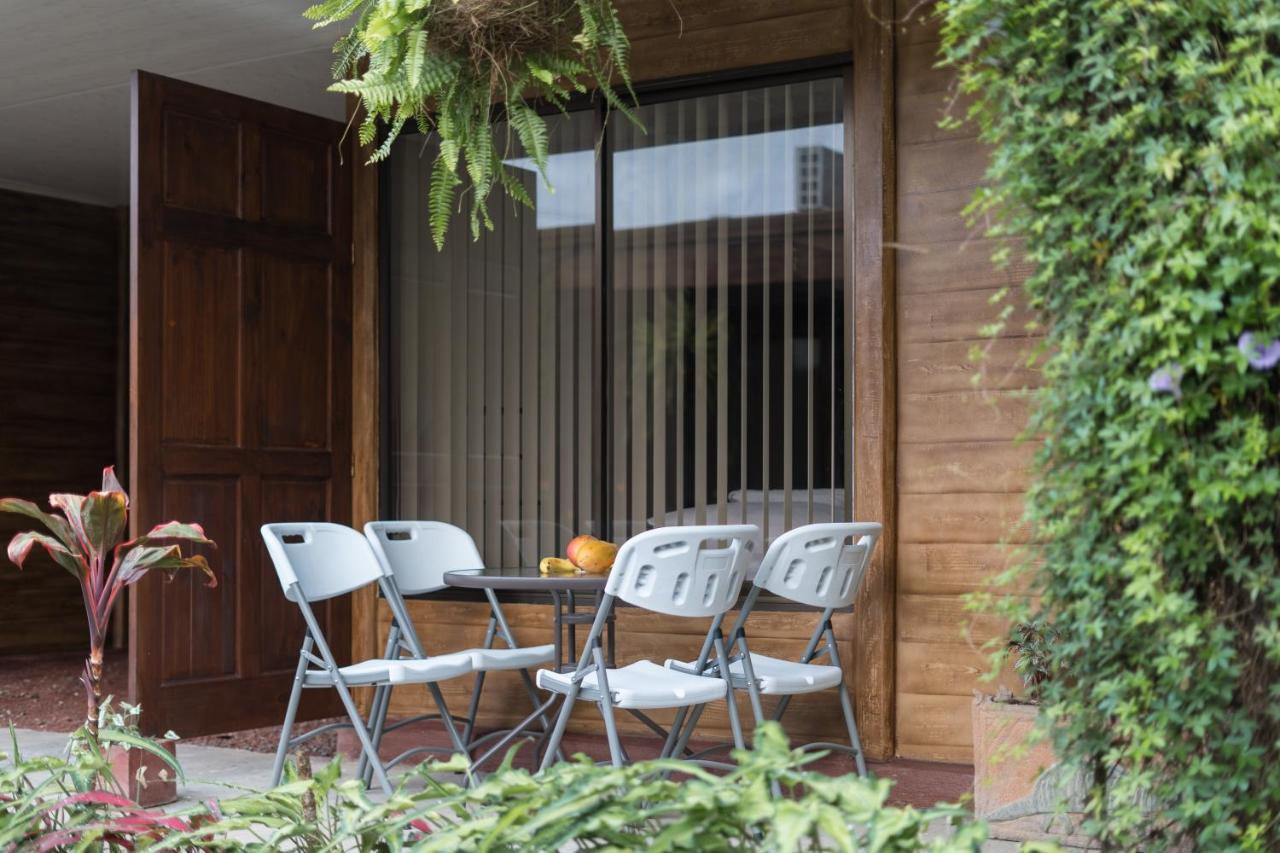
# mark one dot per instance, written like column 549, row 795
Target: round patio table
column 564, row 591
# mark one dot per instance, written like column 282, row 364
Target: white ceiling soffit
column 65, row 66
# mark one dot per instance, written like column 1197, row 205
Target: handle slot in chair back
column 418, row 553
column 683, row 571
column 820, row 565
column 304, row 555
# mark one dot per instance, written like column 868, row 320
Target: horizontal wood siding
column 59, row 285
column 961, row 473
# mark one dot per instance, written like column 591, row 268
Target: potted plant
column 448, row 67
column 1019, row 787
column 139, row 771
column 86, row 536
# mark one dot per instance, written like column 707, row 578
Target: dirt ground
column 43, row 692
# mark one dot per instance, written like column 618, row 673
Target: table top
column 523, row 579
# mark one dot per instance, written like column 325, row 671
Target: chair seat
column 495, row 660
column 404, row 671
column 776, row 676
column 642, row 684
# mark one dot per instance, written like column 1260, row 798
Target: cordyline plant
column 87, row 541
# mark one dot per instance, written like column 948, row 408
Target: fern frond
column 444, row 183
column 532, row 132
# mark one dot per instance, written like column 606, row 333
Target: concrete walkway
column 212, row 773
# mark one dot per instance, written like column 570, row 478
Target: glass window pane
column 491, row 383
column 727, row 349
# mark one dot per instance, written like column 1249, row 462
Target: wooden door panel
column 240, row 385
column 203, row 618
column 291, row 350
column 296, row 178
column 196, row 147
column 199, row 344
column 280, row 623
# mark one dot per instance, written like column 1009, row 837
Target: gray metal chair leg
column 378, row 722
column 366, row 743
column 753, row 687
column 734, row 723
column 473, row 709
column 606, row 710
column 846, row 707
column 290, row 714
column 687, row 731
column 562, row 721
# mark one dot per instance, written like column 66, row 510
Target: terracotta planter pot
column 128, row 766
column 1011, row 789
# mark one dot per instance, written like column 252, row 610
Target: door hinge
column 353, row 253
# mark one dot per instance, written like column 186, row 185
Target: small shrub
column 769, row 802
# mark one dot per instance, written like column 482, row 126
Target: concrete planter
column 144, row 778
column 1016, row 786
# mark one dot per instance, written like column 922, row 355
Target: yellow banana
column 556, row 566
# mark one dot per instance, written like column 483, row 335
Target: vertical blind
column 707, row 375
column 491, row 375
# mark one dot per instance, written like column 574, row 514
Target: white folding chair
column 316, row 561
column 821, row 565
column 679, row 571
column 414, row 556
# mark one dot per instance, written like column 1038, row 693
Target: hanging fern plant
column 445, row 64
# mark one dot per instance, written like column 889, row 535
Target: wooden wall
column 931, row 450
column 60, row 292
column 960, row 473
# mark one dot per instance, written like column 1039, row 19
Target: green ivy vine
column 1136, row 161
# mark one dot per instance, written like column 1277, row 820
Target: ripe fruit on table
column 556, row 566
column 595, row 556
column 571, row 551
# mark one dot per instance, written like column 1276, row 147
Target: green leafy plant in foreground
column 651, row 805
column 1134, row 165
column 445, row 65
column 86, row 536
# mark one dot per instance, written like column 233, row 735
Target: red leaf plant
column 91, row 529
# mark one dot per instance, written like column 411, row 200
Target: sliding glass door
column 667, row 345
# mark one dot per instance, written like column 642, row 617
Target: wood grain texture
column 59, row 345
column 961, row 471
column 240, row 381
column 871, row 269
column 365, row 388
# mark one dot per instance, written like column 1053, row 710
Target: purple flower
column 1260, row 357
column 1167, row 380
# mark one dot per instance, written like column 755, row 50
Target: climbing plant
column 1134, row 164
column 449, row 66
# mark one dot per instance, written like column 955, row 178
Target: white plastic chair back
column 322, row 559
column 819, row 564
column 683, row 571
column 418, row 553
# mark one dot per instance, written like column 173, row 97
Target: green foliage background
column 1136, row 158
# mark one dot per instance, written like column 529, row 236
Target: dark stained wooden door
column 240, row 389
